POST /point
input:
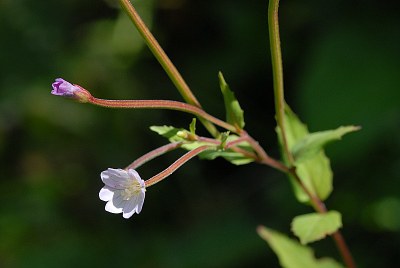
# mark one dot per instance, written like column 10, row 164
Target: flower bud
column 184, row 134
column 66, row 89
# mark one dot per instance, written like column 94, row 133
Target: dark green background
column 342, row 66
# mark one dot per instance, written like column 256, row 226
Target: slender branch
column 177, row 164
column 237, row 141
column 277, row 71
column 344, row 249
column 209, row 140
column 263, row 157
column 232, row 146
column 244, row 152
column 165, row 62
column 161, row 104
column 317, row 204
column 153, row 154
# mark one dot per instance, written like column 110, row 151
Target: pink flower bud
column 66, row 89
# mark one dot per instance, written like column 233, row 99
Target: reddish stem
column 177, row 164
column 153, row 154
column 161, row 104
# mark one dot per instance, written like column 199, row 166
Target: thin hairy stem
column 277, row 72
column 231, row 146
column 153, row 154
column 162, row 104
column 237, row 141
column 177, row 164
column 263, row 157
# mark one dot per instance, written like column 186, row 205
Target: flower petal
column 63, row 88
column 111, row 208
column 122, row 192
column 140, row 202
column 118, row 200
column 106, row 193
column 129, row 209
column 134, row 205
column 133, row 174
column 115, row 178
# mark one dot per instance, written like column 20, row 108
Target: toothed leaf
column 315, row 226
column 315, row 173
column 292, row 254
column 313, row 143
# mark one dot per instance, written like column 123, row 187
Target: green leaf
column 224, row 138
column 292, row 254
column 234, row 114
column 231, row 156
column 328, row 263
column 174, row 135
column 192, row 126
column 315, row 173
column 313, row 143
column 317, row 176
column 295, row 129
column 168, row 132
column 315, row 226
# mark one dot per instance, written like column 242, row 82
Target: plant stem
column 277, row 72
column 153, row 154
column 344, row 249
column 277, row 69
column 162, row 104
column 337, row 236
column 263, row 157
column 177, row 164
column 165, row 62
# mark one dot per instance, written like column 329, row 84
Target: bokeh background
column 342, row 66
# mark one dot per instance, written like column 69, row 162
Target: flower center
column 133, row 189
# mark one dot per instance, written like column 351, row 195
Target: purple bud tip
column 63, row 88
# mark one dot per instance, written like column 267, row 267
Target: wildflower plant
column 303, row 158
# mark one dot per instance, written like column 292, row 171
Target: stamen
column 132, row 190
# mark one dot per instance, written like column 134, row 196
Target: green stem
column 165, row 62
column 277, row 72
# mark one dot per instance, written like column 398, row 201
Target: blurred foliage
column 341, row 61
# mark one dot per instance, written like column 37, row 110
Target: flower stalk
column 177, row 164
column 162, row 104
column 76, row 92
column 153, row 154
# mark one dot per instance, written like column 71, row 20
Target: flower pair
column 124, row 190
